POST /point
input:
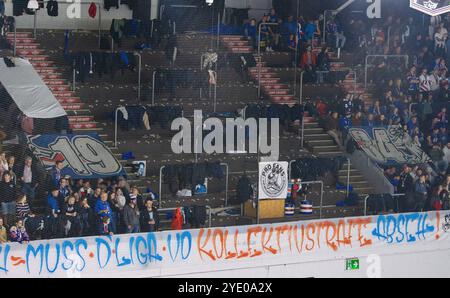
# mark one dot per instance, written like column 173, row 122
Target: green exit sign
column 352, row 264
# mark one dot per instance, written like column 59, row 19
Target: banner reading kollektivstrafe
column 273, row 180
column 208, row 250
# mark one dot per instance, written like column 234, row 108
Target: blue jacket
column 52, row 203
column 345, row 123
column 103, row 208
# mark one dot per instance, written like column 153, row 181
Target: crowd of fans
column 73, row 208
column 410, row 89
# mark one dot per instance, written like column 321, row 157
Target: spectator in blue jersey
column 292, row 45
column 275, row 30
column 443, row 135
column 103, row 209
column 273, row 17
column 250, row 31
column 421, row 194
column 377, row 109
column 331, row 30
column 413, row 81
column 412, row 123
column 347, row 104
column 288, row 28
column 394, row 117
column 56, row 172
column 309, row 31
column 54, row 229
column 369, row 121
column 53, row 206
column 64, row 190
column 345, row 123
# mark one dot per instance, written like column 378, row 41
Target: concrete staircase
column 271, row 84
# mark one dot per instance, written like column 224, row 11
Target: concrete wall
column 63, row 21
column 429, row 264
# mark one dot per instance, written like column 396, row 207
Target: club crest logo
column 273, row 179
column 431, row 7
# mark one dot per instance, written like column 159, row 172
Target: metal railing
column 366, row 67
column 302, row 183
column 207, row 208
column 15, row 39
column 299, row 28
column 202, row 59
column 153, row 86
column 324, row 38
column 225, row 165
column 139, row 74
column 116, row 123
column 348, row 173
column 393, row 196
column 389, row 37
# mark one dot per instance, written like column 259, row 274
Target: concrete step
column 19, row 35
column 281, row 98
column 240, row 43
column 50, row 76
column 267, row 75
column 55, row 82
column 325, row 149
column 47, row 70
column 30, row 52
column 271, row 81
column 59, row 88
column 317, row 137
column 330, row 153
column 241, row 49
column 255, row 70
column 83, row 125
column 42, row 64
column 274, row 86
column 88, row 130
column 69, row 100
column 315, row 143
column 29, row 46
column 22, row 40
column 72, row 106
column 277, row 92
column 231, row 38
column 78, row 112
column 313, row 131
column 311, row 125
column 354, row 178
column 36, row 58
column 78, row 119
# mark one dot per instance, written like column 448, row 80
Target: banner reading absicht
column 227, row 248
column 388, row 145
column 83, row 156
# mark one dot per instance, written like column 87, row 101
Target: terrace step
column 78, row 119
column 30, row 52
column 83, row 125
column 69, row 100
column 28, row 46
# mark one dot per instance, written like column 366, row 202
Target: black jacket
column 52, row 8
column 145, row 218
column 244, row 190
column 19, row 173
column 7, row 192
